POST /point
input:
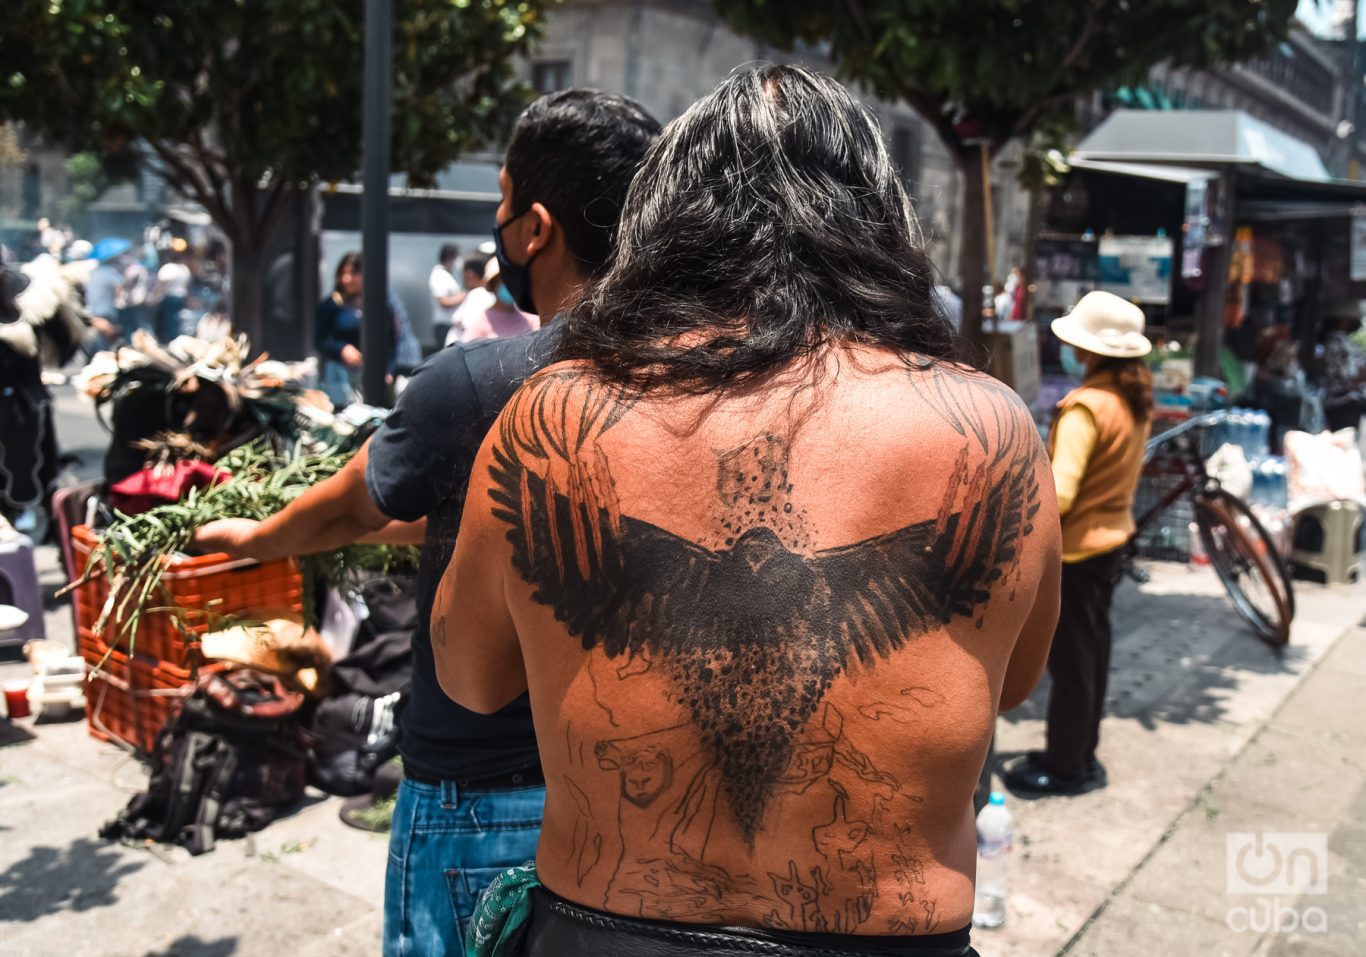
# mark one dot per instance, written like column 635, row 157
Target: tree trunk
column 1031, row 250
column 248, row 283
column 972, row 242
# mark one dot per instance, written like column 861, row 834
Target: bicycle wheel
column 1247, row 563
column 1261, row 540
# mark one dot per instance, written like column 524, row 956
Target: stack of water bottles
column 1269, row 500
column 1250, row 430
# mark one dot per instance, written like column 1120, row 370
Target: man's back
column 768, row 634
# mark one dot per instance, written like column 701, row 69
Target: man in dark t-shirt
column 419, row 467
column 472, row 794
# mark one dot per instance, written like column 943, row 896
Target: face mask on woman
column 1071, row 365
column 504, row 296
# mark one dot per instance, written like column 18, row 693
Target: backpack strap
column 199, row 836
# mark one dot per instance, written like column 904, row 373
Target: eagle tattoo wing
column 753, row 634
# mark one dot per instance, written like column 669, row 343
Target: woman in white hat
column 1096, row 446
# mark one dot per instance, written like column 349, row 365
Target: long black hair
column 767, row 222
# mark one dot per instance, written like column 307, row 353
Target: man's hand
column 235, row 536
column 350, row 355
column 332, row 514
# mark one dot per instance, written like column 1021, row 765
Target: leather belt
column 560, row 927
column 507, row 781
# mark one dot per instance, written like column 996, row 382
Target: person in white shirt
column 130, row 299
column 490, row 313
column 446, row 292
column 169, row 294
column 472, row 272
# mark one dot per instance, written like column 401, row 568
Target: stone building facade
column 667, row 53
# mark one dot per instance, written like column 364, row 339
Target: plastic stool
column 1328, row 543
column 19, row 587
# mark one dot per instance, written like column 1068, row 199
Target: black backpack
column 355, row 728
column 229, row 762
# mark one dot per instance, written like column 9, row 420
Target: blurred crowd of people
column 163, row 282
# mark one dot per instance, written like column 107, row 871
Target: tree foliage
column 990, row 71
column 1007, row 64
column 12, row 159
column 86, row 181
column 236, row 101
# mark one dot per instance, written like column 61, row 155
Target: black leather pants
column 563, row 929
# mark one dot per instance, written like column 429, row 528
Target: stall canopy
column 1167, row 174
column 1201, row 138
column 1279, row 176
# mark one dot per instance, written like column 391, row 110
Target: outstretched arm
column 334, row 513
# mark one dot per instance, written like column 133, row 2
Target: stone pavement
column 1303, row 773
column 1209, row 733
column 307, row 886
column 1190, row 691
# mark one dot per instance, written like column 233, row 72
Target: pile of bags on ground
column 245, row 742
column 280, row 702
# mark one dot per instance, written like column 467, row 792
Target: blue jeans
column 445, row 847
column 340, row 383
column 168, row 318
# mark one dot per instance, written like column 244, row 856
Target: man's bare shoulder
column 944, row 385
column 948, row 402
column 560, row 400
column 562, row 381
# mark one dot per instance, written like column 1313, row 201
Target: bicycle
column 1241, row 552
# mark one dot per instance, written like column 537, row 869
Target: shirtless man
column 767, row 560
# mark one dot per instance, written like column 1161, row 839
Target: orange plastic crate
column 130, row 698
column 204, row 588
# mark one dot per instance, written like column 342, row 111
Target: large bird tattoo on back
column 752, row 634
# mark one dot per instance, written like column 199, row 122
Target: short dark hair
column 767, row 222
column 448, row 251
column 476, row 264
column 575, row 152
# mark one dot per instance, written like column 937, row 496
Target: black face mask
column 516, row 277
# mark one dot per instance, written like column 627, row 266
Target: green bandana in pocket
column 500, row 917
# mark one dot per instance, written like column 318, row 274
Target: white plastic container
column 995, row 838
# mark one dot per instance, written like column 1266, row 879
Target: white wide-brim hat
column 1105, row 324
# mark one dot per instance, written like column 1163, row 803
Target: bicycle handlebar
column 1199, row 422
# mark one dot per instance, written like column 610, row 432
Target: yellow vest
column 1101, row 518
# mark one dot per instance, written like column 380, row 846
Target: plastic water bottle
column 1198, row 556
column 1261, row 435
column 1268, row 482
column 995, row 837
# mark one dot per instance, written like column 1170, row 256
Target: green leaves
column 1007, row 62
column 133, row 552
column 256, row 89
